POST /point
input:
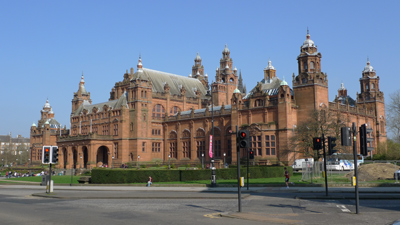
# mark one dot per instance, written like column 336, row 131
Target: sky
column 45, row 46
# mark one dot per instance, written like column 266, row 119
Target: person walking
column 286, row 178
column 150, row 182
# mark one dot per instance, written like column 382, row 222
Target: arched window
column 158, row 111
column 305, row 65
column 311, row 65
column 174, row 110
column 372, row 86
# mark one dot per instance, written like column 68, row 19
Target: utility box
column 45, row 178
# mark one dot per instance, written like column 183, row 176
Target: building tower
column 373, row 99
column 225, row 80
column 80, row 96
column 310, row 87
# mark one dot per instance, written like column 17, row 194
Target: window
column 156, row 147
column 305, row 65
column 270, row 145
column 174, row 110
column 311, row 65
column 158, row 111
column 186, row 149
column 172, row 149
column 143, row 146
column 201, row 148
column 255, row 144
column 115, row 129
column 116, row 149
column 217, row 148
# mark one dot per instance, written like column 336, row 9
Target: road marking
column 343, row 208
column 213, row 215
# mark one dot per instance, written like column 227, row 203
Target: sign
column 210, row 153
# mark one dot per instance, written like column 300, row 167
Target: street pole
column 326, row 177
column 355, row 163
column 238, row 170
column 202, row 160
column 169, row 161
column 138, row 157
column 224, row 159
column 247, row 150
column 213, row 177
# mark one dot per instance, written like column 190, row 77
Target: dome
column 284, row 82
column 206, row 75
column 308, row 42
column 269, row 67
column 368, row 68
column 236, row 91
column 51, row 111
column 342, row 87
column 198, row 58
column 226, row 49
column 33, row 125
column 226, row 67
column 47, row 105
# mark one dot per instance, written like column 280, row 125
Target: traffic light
column 346, row 136
column 46, row 154
column 364, row 140
column 317, row 143
column 54, row 155
column 331, row 145
column 243, row 139
column 251, row 154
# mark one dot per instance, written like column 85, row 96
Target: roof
column 114, row 104
column 203, row 110
column 270, row 87
column 175, row 82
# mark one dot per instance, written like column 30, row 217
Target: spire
column 240, row 81
column 139, row 65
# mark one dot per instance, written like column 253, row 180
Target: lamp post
column 224, row 159
column 294, row 150
column 112, row 163
column 213, row 177
column 169, row 161
column 202, row 160
column 138, row 157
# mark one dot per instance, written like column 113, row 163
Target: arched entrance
column 102, row 155
column 85, row 157
column 65, row 157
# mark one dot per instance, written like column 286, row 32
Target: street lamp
column 224, row 158
column 138, row 157
column 202, row 160
column 213, row 178
column 169, row 161
column 112, row 163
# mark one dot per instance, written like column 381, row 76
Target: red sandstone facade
column 154, row 116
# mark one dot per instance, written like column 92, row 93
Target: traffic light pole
column 355, row 164
column 49, row 178
column 326, row 177
column 248, row 174
column 238, row 170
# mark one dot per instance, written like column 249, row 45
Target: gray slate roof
column 175, row 82
column 271, row 87
column 114, row 104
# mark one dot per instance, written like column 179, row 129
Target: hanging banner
column 210, row 153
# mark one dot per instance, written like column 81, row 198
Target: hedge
column 121, row 176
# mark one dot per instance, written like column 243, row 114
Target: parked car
column 398, row 175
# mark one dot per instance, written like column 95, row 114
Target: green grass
column 56, row 179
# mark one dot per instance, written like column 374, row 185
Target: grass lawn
column 56, row 179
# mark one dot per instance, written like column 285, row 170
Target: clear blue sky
column 45, row 45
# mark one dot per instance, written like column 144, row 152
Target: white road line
column 343, row 208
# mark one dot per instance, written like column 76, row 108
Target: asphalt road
column 267, row 206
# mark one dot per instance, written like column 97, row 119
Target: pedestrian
column 150, row 182
column 286, row 178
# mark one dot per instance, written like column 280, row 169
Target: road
column 266, row 206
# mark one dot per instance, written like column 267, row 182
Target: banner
column 210, row 153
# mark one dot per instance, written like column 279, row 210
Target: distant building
column 157, row 116
column 14, row 143
column 44, row 133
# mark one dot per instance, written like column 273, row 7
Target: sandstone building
column 157, row 116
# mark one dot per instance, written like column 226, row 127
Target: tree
column 320, row 122
column 393, row 115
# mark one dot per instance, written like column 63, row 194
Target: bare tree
column 393, row 115
column 320, row 122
